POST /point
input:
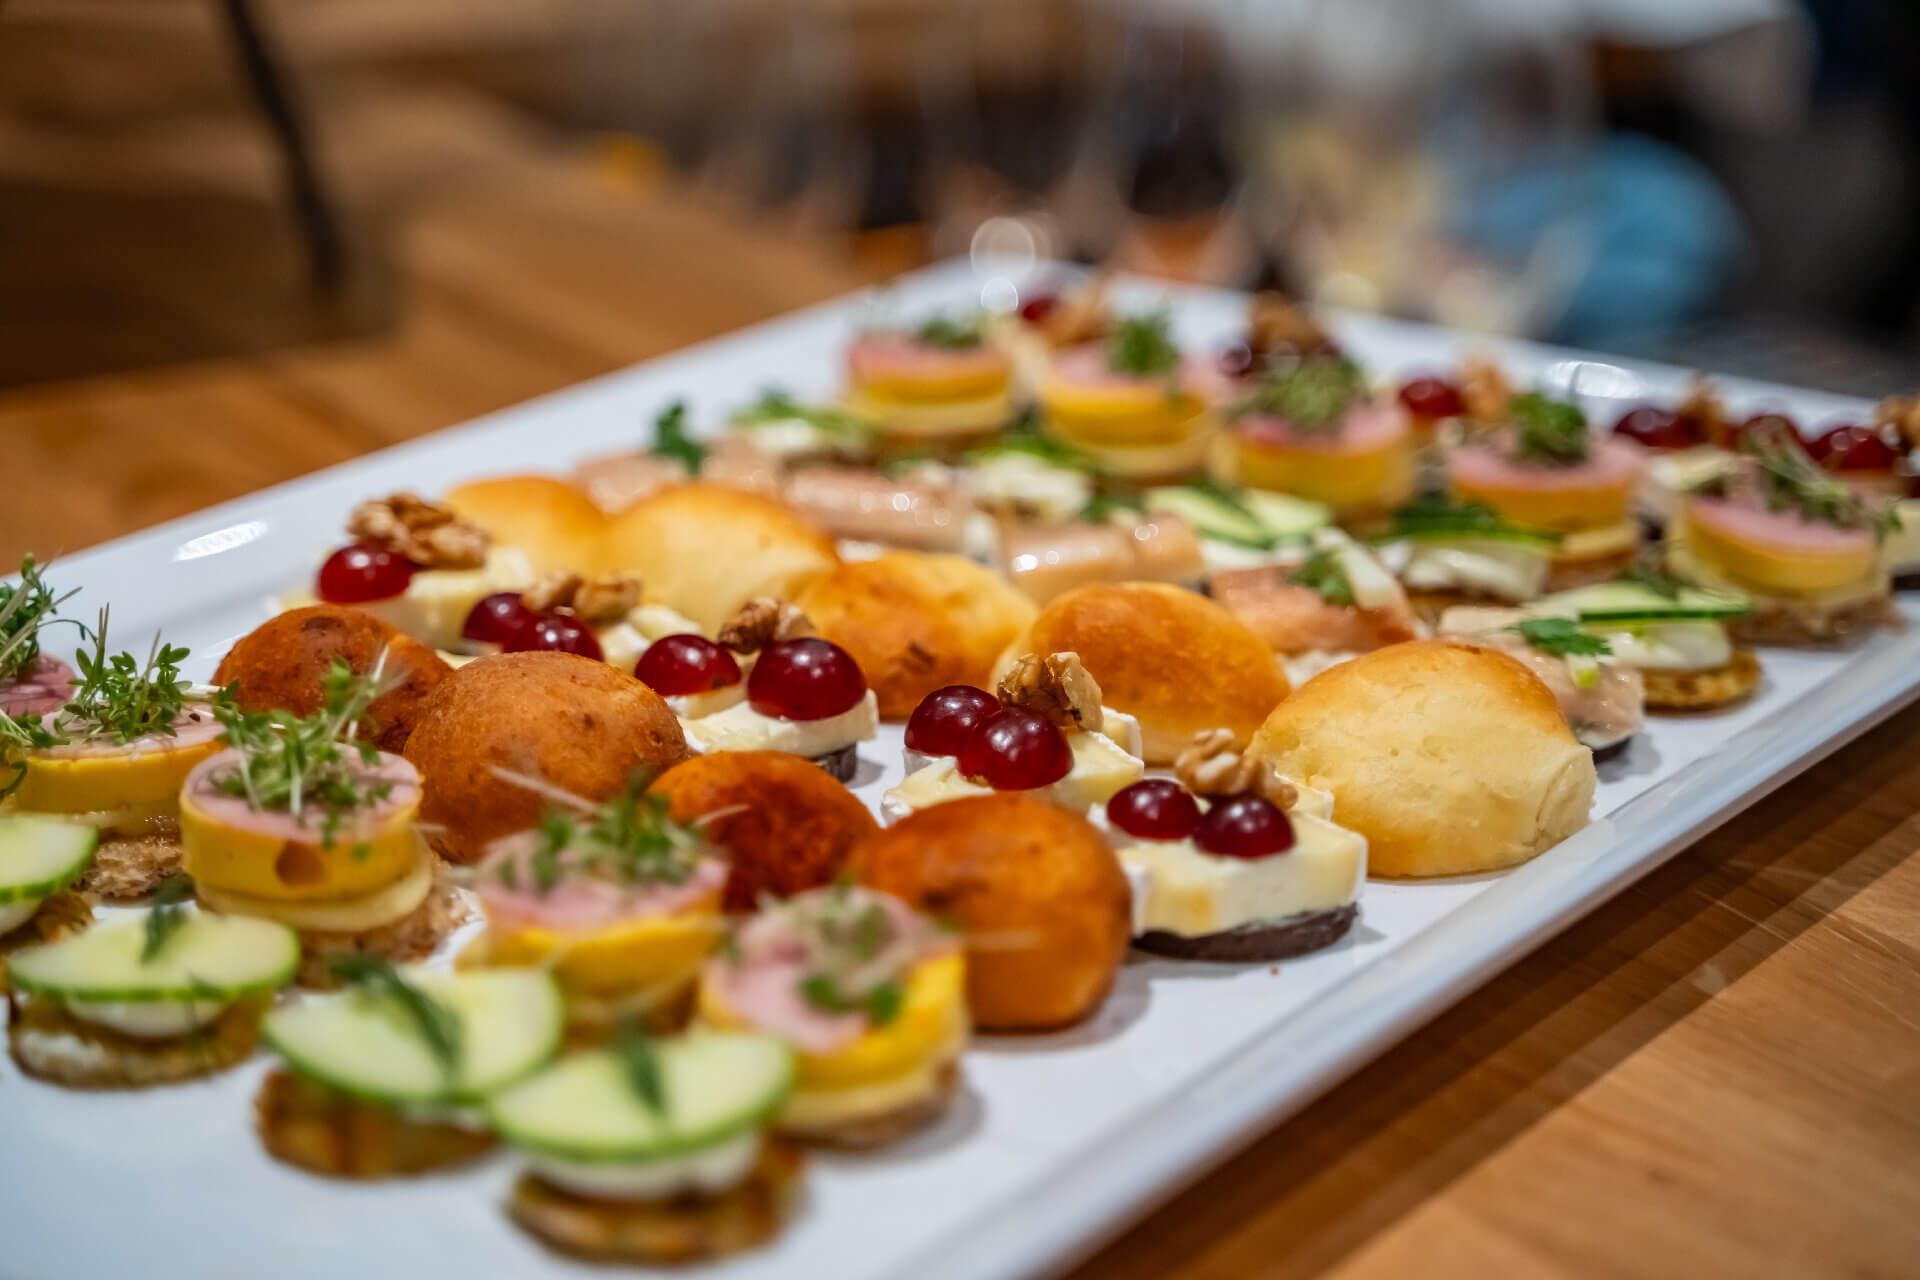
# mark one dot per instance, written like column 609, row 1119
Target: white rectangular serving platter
column 1058, row 1140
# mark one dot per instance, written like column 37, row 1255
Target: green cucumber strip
column 716, row 1085
column 1212, row 517
column 207, row 957
column 1632, row 602
column 40, row 856
column 1465, row 533
column 362, row 1043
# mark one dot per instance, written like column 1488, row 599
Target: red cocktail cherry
column 1853, row 448
column 363, row 571
column 1244, row 827
column 1016, row 750
column 496, row 619
column 1432, row 398
column 1238, row 361
column 561, row 632
column 940, row 724
column 1154, row 809
column 685, row 664
column 805, row 679
column 1658, row 428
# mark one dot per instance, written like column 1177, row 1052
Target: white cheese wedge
column 1181, row 889
column 741, row 728
column 1101, row 767
column 436, row 602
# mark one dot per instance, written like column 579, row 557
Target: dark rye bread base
column 840, row 765
column 687, row 1228
column 50, row 1044
column 324, row 1131
column 1262, row 940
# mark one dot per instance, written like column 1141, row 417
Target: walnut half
column 1055, row 686
column 758, row 623
column 1212, row 765
column 599, row 601
column 428, row 534
column 1485, row 391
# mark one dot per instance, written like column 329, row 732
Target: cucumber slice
column 716, row 1085
column 41, row 856
column 1286, row 516
column 1213, row 515
column 207, row 957
column 1633, row 602
column 363, row 1043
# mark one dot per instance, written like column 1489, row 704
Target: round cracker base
column 49, row 1044
column 869, row 1132
column 408, row 940
column 687, row 1228
column 1568, row 574
column 312, row 1127
column 1704, row 690
column 128, row 868
column 1278, row 940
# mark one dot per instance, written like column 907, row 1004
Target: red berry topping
column 1016, row 750
column 683, row 664
column 1432, row 398
column 496, row 619
column 1238, row 361
column 1660, row 428
column 361, row 572
column 940, row 724
column 1036, row 309
column 1853, row 448
column 559, row 631
column 805, row 679
column 1154, row 809
column 1244, row 827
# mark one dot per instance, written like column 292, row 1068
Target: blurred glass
column 1424, row 157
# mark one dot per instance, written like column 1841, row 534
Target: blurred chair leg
column 326, row 250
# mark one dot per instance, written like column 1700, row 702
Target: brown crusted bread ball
column 1169, row 656
column 1447, row 757
column 706, row 549
column 1037, row 886
column 792, row 826
column 282, row 665
column 575, row 723
column 557, row 526
column 916, row 622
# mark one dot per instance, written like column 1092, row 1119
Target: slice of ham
column 193, row 727
column 893, row 358
column 1087, row 368
column 1612, row 464
column 402, row 780
column 581, row 903
column 1608, row 711
column 1783, row 531
column 1367, row 428
column 1297, row 619
column 1046, row 559
column 850, row 502
column 41, row 689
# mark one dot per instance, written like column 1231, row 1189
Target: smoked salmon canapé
column 1807, row 548
column 941, row 384
column 1311, row 427
column 1132, row 403
column 300, row 821
column 1544, row 470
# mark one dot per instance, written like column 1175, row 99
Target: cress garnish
column 670, row 438
column 630, row 840
column 1324, row 573
column 1788, row 480
column 117, row 698
column 951, row 333
column 1549, row 431
column 292, row 764
column 1142, row 345
column 857, row 952
column 26, row 607
column 1313, row 394
column 438, row 1025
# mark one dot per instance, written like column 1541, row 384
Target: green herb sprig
column 1142, row 345
column 639, row 1057
column 26, row 607
column 951, row 333
column 1313, row 395
column 1561, row 637
column 670, row 438
column 1549, row 431
column 166, row 914
column 439, row 1027
column 630, row 840
column 293, row 764
column 1324, row 573
column 122, row 698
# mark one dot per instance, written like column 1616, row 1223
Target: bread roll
column 556, row 525
column 1448, row 757
column 578, row 724
column 1170, row 657
column 917, row 622
column 791, row 826
column 705, row 549
column 1038, row 888
column 282, row 665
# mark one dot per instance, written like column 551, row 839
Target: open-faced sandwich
column 113, row 756
column 387, row 1076
column 1673, row 634
column 1231, row 861
column 41, row 858
column 871, row 995
column 1802, row 545
column 1130, row 402
column 301, row 822
column 1450, row 553
column 937, row 386
column 1602, row 697
column 654, row 1151
column 619, row 900
column 32, row 681
column 150, row 999
column 1046, row 734
column 1330, row 599
column 1896, row 419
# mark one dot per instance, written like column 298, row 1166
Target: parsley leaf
column 1561, row 637
column 167, row 913
column 1143, row 345
column 1324, row 573
column 670, row 438
column 438, row 1025
column 1550, row 431
column 639, row 1056
column 1312, row 395
column 951, row 333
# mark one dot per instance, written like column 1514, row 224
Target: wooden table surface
column 1716, row 1073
